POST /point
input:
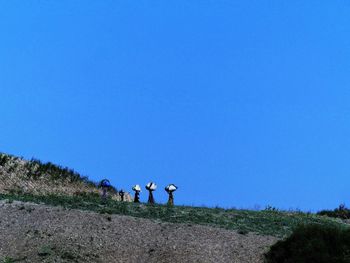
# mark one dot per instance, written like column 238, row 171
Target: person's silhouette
column 170, row 189
column 137, row 190
column 105, row 185
column 121, row 194
column 150, row 188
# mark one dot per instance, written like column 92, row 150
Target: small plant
column 8, row 260
column 69, row 256
column 106, row 211
column 271, row 208
column 243, row 231
column 45, row 251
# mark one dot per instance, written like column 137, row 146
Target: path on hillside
column 40, row 233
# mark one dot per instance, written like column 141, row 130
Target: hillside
column 39, row 233
column 52, row 214
column 34, row 177
column 81, row 229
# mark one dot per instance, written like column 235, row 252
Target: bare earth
column 39, row 233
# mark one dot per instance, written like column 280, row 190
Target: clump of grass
column 4, row 159
column 70, row 256
column 86, row 195
column 312, row 243
column 45, row 251
column 243, row 231
column 12, row 260
column 8, row 260
column 271, row 208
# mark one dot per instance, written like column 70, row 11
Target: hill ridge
column 21, row 176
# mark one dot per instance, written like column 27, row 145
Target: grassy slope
column 36, row 169
column 263, row 222
column 274, row 223
column 35, row 177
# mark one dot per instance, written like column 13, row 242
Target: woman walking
column 150, row 188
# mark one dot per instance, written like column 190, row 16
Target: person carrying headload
column 170, row 189
column 137, row 190
column 150, row 188
column 121, row 194
column 105, row 185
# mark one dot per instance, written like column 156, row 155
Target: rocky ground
column 39, row 233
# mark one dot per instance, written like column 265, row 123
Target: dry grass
column 34, row 177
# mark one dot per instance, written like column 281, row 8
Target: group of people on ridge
column 151, row 187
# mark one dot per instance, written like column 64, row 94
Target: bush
column 4, row 159
column 8, row 260
column 312, row 244
column 340, row 212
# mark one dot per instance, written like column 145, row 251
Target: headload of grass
column 35, row 177
column 274, row 223
column 313, row 243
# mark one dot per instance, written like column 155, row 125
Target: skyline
column 238, row 104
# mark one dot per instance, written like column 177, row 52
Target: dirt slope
column 39, row 233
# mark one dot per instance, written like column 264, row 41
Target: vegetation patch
column 313, row 243
column 70, row 256
column 340, row 212
column 45, row 251
column 8, row 260
column 275, row 223
column 36, row 169
column 20, row 175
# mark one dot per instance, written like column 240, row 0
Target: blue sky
column 239, row 103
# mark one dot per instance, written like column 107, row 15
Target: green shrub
column 340, row 212
column 8, row 260
column 312, row 243
column 3, row 159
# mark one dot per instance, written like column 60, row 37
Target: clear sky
column 239, row 103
